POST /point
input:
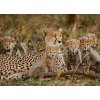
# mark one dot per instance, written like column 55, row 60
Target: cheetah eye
column 55, row 42
column 12, row 41
column 55, row 35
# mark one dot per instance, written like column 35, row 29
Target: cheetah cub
column 7, row 45
column 93, row 39
column 74, row 54
column 87, row 42
column 85, row 46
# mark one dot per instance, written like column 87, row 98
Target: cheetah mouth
column 7, row 50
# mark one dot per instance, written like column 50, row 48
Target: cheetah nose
column 63, row 65
column 85, row 48
column 59, row 41
column 52, row 55
column 7, row 47
column 72, row 51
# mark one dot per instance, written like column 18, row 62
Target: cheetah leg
column 86, row 69
column 58, row 74
column 72, row 68
column 75, row 69
column 60, row 71
column 16, row 76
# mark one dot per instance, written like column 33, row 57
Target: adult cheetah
column 16, row 67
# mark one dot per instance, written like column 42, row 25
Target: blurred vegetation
column 24, row 26
column 30, row 26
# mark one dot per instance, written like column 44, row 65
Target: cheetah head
column 85, row 43
column 73, row 45
column 7, row 43
column 93, row 38
column 51, row 52
column 53, row 38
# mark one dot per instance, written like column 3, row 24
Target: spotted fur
column 93, row 38
column 53, row 38
column 57, row 64
column 74, row 54
column 85, row 45
column 7, row 45
column 16, row 67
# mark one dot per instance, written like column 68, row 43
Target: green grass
column 82, row 81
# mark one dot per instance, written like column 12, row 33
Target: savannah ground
column 23, row 26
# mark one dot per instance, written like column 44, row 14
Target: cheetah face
column 85, row 43
column 93, row 38
column 51, row 52
column 53, row 38
column 8, row 43
column 73, row 46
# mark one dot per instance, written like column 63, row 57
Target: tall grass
column 23, row 26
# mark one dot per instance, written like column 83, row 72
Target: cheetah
column 7, row 45
column 50, row 54
column 16, row 67
column 74, row 54
column 86, row 43
column 55, row 60
column 95, row 65
column 93, row 38
column 52, row 38
column 57, row 64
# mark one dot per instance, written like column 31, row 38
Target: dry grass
column 74, row 26
column 76, row 81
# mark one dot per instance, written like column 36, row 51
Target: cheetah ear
column 45, row 32
column 60, row 30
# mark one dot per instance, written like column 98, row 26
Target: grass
column 80, row 81
column 74, row 26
